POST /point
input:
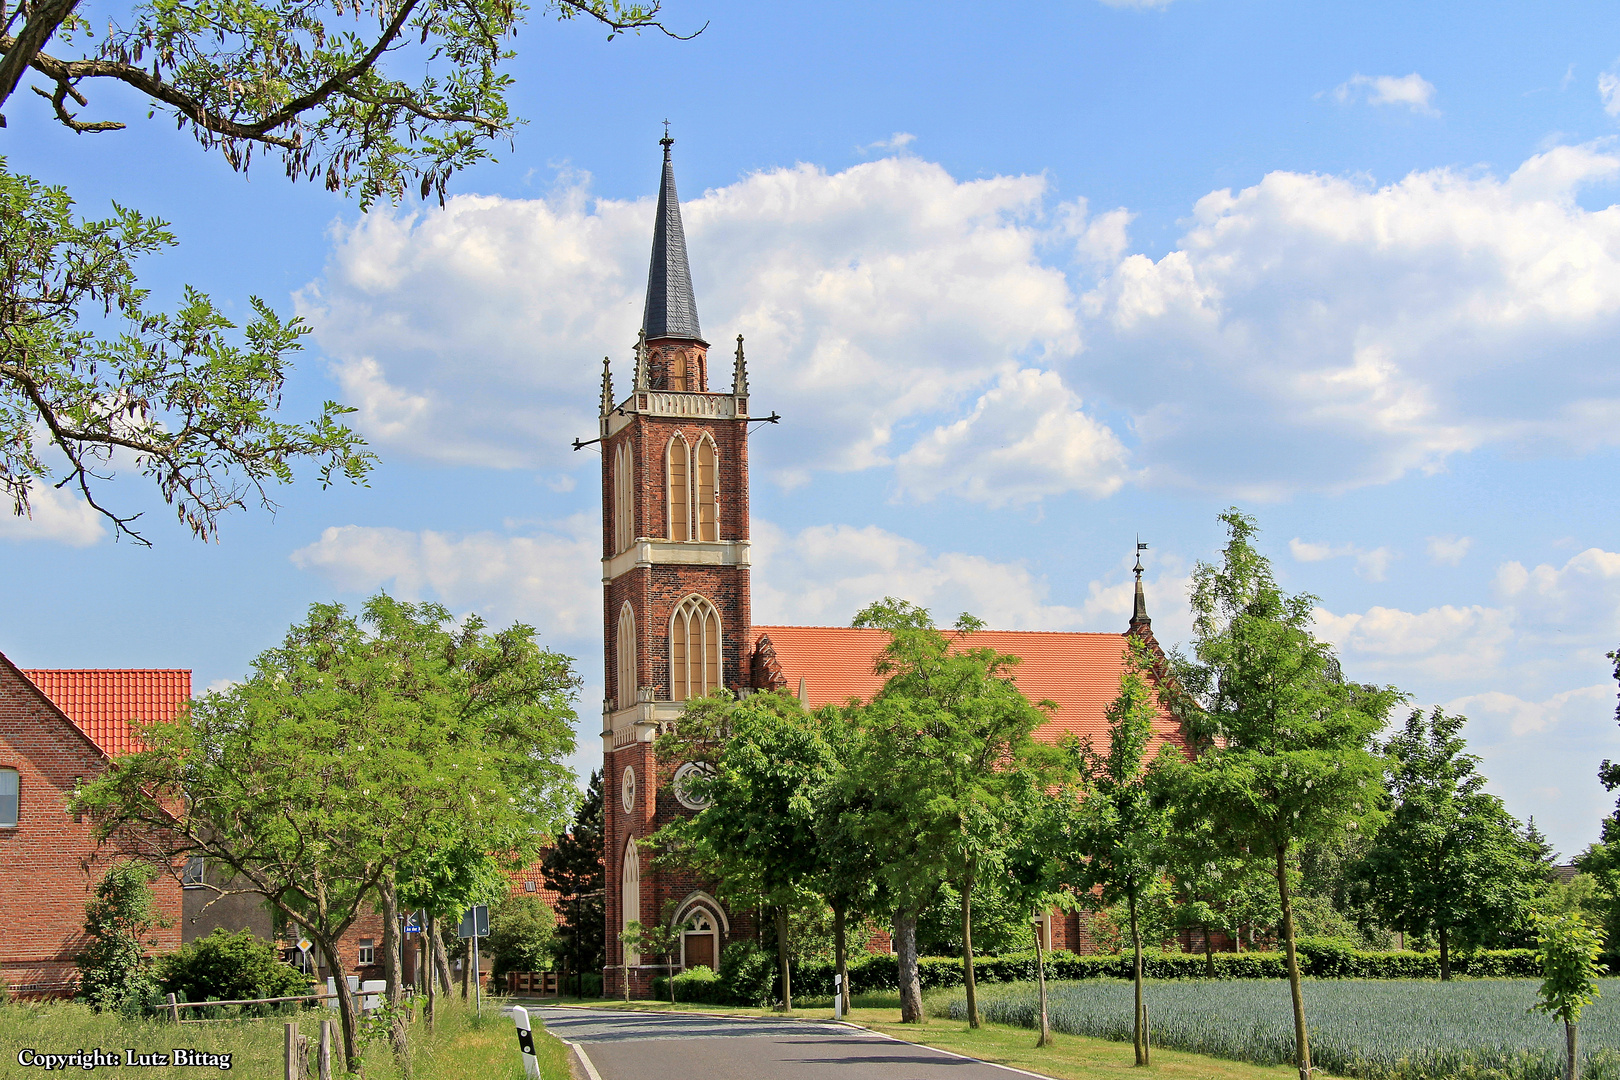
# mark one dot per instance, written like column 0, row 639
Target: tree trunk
column 43, row 20
column 1445, row 956
column 782, row 957
column 1569, row 1051
column 1209, row 955
column 430, row 970
column 905, row 947
column 345, row 1002
column 841, row 958
column 1302, row 1045
column 1040, row 980
column 441, row 960
column 967, row 949
column 1138, row 1028
column 393, row 975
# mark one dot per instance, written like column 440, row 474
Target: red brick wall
column 49, row 864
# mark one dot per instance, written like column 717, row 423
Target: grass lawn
column 1071, row 1057
column 462, row 1047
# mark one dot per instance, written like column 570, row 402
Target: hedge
column 746, row 982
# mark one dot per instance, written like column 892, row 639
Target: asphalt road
column 662, row 1046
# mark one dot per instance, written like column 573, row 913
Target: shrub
column 228, row 966
column 115, row 969
column 590, row 983
column 522, row 930
column 748, row 974
column 699, row 984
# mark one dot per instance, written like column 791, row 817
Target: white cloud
column 1411, row 91
column 824, row 574
column 1371, row 564
column 871, row 297
column 1521, row 717
column 1609, row 90
column 1027, row 438
column 1449, row 550
column 1442, row 643
column 1578, row 602
column 894, row 143
column 548, row 578
column 55, row 517
column 1316, row 333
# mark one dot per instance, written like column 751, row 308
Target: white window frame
column 366, row 954
column 10, row 797
column 680, row 622
column 625, row 656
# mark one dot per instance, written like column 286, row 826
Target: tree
column 1285, row 744
column 522, row 931
column 1568, row 949
column 764, row 761
column 189, row 399
column 116, row 967
column 364, row 100
column 573, row 868
column 846, row 874
column 441, row 882
column 1123, row 829
column 941, row 747
column 1449, row 861
column 1044, row 850
column 352, row 751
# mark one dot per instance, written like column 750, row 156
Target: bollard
column 323, row 1056
column 838, row 997
column 531, row 1064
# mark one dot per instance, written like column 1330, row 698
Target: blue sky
column 1023, row 281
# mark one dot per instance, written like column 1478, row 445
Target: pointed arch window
column 694, row 491
column 694, row 649
column 679, row 457
column 630, row 897
column 626, row 657
column 624, row 531
column 678, row 377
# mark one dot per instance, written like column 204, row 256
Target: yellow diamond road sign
column 303, row 944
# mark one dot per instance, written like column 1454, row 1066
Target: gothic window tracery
column 694, row 649
column 630, row 897
column 626, row 657
column 678, row 377
column 705, row 492
column 694, row 492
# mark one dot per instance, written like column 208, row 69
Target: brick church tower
column 675, row 592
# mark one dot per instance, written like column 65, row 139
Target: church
column 677, row 622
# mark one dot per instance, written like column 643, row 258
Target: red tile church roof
column 103, row 702
column 1078, row 671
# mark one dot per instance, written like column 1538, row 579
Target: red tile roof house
column 56, row 729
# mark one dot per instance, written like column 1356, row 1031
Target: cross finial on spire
column 1139, row 615
column 666, row 142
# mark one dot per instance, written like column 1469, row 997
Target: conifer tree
column 574, row 869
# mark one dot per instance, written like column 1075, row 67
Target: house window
column 623, row 498
column 193, row 873
column 10, row 792
column 626, row 656
column 677, row 370
column 528, row 886
column 679, row 459
column 368, row 952
column 694, row 649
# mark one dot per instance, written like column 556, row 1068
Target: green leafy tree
column 1285, row 743
column 846, row 874
column 188, row 398
column 522, row 933
column 371, row 100
column 765, row 761
column 228, row 966
column 1123, row 829
column 942, row 746
column 573, row 868
column 1044, row 848
column 442, row 882
column 1568, row 948
column 1215, row 891
column 1449, row 861
column 354, row 750
column 116, row 967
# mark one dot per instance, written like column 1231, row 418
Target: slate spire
column 1139, row 616
column 671, row 310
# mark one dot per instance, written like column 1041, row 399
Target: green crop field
column 1477, row 1029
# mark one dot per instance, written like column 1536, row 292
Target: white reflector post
column 531, row 1064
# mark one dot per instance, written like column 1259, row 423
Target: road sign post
column 475, row 925
column 838, row 997
column 531, row 1064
